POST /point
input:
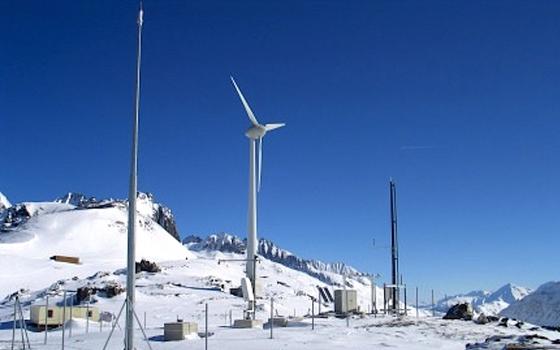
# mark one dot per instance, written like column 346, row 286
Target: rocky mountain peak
column 225, row 242
column 146, row 205
column 4, row 202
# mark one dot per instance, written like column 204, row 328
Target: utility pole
column 132, row 191
column 394, row 245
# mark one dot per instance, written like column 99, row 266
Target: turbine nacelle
column 256, row 132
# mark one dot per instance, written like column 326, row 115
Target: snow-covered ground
column 367, row 333
column 96, row 236
column 183, row 288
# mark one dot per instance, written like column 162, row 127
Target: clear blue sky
column 458, row 101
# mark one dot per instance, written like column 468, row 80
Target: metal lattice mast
column 394, row 245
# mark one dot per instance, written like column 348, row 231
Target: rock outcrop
column 462, row 311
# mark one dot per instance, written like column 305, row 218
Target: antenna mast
column 394, row 245
column 133, row 189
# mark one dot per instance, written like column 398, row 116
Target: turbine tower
column 255, row 134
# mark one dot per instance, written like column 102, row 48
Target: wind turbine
column 255, row 133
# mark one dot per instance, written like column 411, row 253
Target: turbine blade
column 245, row 104
column 273, row 126
column 260, row 163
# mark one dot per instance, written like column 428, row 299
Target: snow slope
column 541, row 307
column 4, row 202
column 145, row 204
column 96, row 236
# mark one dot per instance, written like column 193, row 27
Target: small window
column 50, row 313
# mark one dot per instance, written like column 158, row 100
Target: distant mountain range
column 489, row 303
column 225, row 242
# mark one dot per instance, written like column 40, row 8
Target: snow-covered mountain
column 93, row 231
column 4, row 202
column 16, row 215
column 542, row 307
column 489, row 303
column 472, row 298
column 225, row 242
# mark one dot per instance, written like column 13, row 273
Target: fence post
column 14, row 325
column 206, row 327
column 271, row 316
column 46, row 318
column 385, row 298
column 433, row 305
column 145, row 320
column 87, row 317
column 313, row 314
column 71, row 318
column 416, row 302
column 21, row 323
column 230, row 318
column 63, row 317
column 319, row 304
column 405, row 304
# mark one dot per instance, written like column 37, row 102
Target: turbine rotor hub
column 255, row 132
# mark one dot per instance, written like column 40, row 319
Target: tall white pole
column 131, row 260
column 252, row 213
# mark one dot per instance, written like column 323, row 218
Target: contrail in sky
column 413, row 148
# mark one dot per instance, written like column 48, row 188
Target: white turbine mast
column 255, row 133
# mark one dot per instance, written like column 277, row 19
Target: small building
column 54, row 314
column 345, row 301
column 66, row 259
column 178, row 330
